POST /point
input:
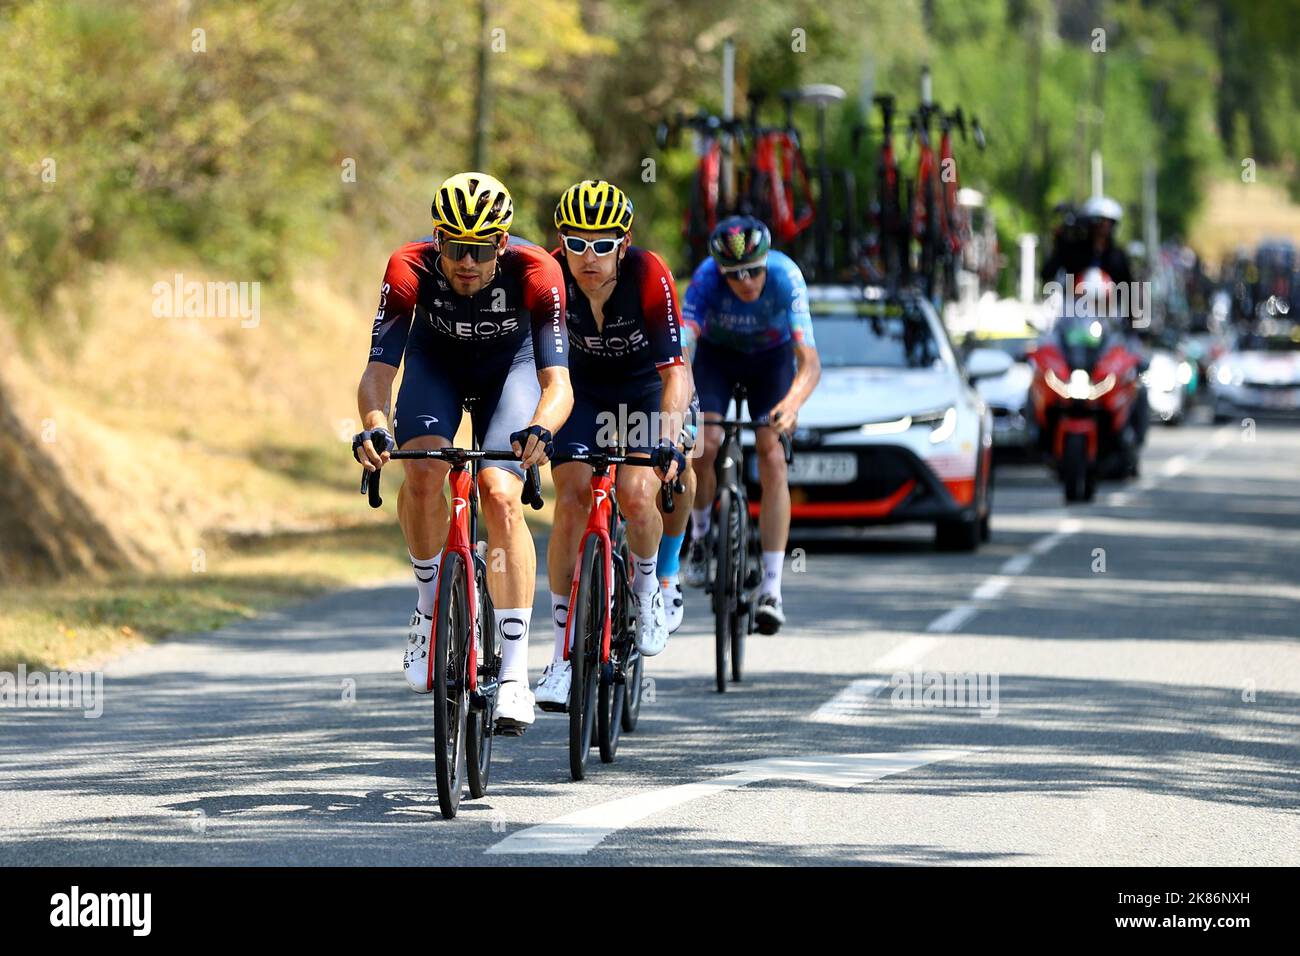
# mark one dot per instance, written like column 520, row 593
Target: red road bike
column 599, row 646
column 465, row 656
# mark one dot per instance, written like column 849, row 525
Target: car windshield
column 893, row 341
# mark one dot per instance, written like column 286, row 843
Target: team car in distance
column 1007, row 395
column 1261, row 374
column 895, row 432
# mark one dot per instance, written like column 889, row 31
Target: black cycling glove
column 543, row 435
column 379, row 437
column 666, row 454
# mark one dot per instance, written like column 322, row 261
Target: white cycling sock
column 426, row 581
column 701, row 521
column 644, row 580
column 512, row 630
column 560, row 619
column 772, row 563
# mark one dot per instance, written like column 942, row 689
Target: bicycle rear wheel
column 613, row 691
column 478, row 739
column 584, row 654
column 635, row 663
column 451, row 701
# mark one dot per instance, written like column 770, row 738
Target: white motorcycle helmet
column 1101, row 207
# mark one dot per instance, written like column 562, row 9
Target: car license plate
column 820, row 468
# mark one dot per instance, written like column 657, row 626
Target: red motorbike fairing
column 1103, row 418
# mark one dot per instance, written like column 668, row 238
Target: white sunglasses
column 601, row 247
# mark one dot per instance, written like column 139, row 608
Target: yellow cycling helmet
column 472, row 206
column 596, row 205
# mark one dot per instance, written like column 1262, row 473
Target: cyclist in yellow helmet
column 631, row 390
column 473, row 313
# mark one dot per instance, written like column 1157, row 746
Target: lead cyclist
column 472, row 313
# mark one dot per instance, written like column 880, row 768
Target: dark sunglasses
column 601, row 247
column 744, row 275
column 455, row 250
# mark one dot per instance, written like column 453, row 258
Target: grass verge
column 69, row 624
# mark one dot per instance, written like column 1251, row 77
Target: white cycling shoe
column 697, row 564
column 415, row 662
column 514, row 707
column 651, row 626
column 674, row 603
column 553, row 688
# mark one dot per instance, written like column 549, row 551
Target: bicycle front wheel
column 587, row 628
column 451, row 701
column 724, row 587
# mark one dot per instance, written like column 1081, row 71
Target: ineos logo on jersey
column 476, row 329
column 614, row 345
column 512, row 628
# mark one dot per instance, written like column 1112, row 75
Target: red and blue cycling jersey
column 524, row 299
column 640, row 331
column 779, row 315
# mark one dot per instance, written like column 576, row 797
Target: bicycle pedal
column 552, row 708
column 508, row 728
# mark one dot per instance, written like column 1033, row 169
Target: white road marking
column 582, row 831
column 949, row 621
column 905, row 654
column 850, row 704
column 992, row 587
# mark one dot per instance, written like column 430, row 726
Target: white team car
column 894, row 432
column 1260, row 375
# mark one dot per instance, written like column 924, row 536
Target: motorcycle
column 1084, row 394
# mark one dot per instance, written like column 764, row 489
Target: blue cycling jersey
column 777, row 316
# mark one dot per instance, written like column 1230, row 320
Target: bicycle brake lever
column 532, row 488
column 370, row 486
column 666, row 497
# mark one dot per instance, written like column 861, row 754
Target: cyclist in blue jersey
column 751, row 306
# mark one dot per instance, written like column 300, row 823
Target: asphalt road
column 1146, row 710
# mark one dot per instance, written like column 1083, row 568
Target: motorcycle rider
column 1085, row 240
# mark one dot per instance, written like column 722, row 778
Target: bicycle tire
column 612, row 697
column 636, row 663
column 478, row 739
column 724, row 594
column 588, row 619
column 741, row 557
column 451, row 700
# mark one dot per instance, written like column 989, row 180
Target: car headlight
column 1227, row 375
column 887, row 428
column 946, row 426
